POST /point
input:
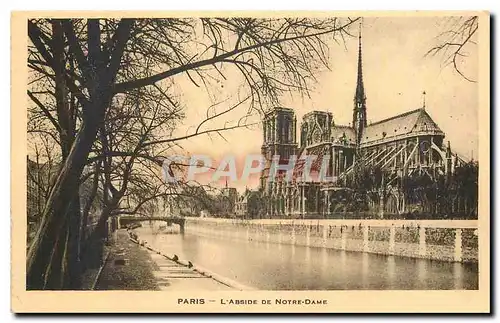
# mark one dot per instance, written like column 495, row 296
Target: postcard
column 250, row 162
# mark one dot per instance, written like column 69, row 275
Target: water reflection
column 422, row 273
column 364, row 263
column 272, row 266
column 307, row 260
column 391, row 270
column 458, row 273
column 324, row 263
column 343, row 261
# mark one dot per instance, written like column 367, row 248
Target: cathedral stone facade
column 403, row 145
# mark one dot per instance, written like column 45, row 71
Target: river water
column 269, row 266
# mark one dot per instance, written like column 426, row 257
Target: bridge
column 128, row 219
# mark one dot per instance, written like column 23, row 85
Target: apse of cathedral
column 404, row 145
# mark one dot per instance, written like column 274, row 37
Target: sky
column 395, row 71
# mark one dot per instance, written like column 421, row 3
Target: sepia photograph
column 250, row 161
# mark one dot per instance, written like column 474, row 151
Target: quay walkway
column 132, row 265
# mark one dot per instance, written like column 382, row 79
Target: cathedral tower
column 280, row 138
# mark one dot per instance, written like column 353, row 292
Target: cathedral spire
column 360, row 89
column 359, row 120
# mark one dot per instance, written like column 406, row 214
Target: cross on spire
column 423, row 99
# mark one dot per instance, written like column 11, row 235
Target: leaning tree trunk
column 67, row 136
column 44, row 254
column 82, row 243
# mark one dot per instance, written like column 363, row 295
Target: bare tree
column 455, row 42
column 89, row 64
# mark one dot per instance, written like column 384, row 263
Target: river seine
column 269, row 266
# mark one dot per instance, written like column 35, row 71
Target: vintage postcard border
column 158, row 302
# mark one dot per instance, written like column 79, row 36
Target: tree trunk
column 73, row 255
column 54, row 223
column 82, row 247
column 63, row 267
column 46, row 264
column 94, row 244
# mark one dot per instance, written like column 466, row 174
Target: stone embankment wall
column 446, row 240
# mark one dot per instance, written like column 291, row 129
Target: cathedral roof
column 415, row 121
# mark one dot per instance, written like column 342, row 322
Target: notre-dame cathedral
column 403, row 145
